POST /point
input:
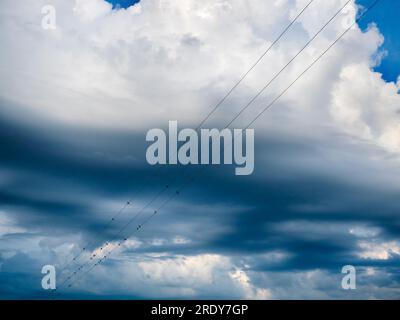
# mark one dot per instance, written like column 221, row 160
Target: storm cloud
column 75, row 106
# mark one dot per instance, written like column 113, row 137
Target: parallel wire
column 277, row 75
column 139, row 227
column 105, row 227
column 250, row 123
column 214, row 109
column 117, row 235
column 76, row 257
column 287, row 65
column 147, row 220
column 254, row 65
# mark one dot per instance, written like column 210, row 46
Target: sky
column 385, row 16
column 124, row 4
column 76, row 103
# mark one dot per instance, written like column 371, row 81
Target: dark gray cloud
column 64, row 184
column 325, row 188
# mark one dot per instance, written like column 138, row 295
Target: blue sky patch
column 122, row 3
column 385, row 14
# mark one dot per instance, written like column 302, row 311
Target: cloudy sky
column 76, row 103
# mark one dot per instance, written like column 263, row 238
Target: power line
column 250, row 123
column 213, row 109
column 253, row 66
column 76, row 257
column 138, row 228
column 313, row 63
column 88, row 244
column 287, row 65
column 137, row 215
column 110, row 221
column 276, row 76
